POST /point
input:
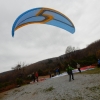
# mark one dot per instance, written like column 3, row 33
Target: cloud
column 37, row 42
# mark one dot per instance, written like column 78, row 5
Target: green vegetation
column 3, row 85
column 40, row 71
column 48, row 89
column 85, row 61
column 94, row 88
column 19, row 81
column 93, row 71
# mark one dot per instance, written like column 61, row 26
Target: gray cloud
column 36, row 42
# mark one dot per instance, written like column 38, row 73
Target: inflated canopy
column 43, row 16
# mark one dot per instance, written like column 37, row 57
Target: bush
column 4, row 84
column 40, row 72
column 19, row 81
column 1, row 85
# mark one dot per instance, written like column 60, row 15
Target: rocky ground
column 84, row 87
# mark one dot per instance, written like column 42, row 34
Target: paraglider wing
column 43, row 16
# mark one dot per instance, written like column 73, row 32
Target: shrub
column 40, row 72
column 48, row 89
column 19, row 81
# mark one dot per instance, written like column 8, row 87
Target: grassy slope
column 93, row 71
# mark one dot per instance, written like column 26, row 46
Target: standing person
column 56, row 71
column 50, row 73
column 33, row 76
column 78, row 67
column 70, row 73
column 36, row 75
column 59, row 70
column 99, row 63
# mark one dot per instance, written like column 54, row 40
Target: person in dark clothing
column 58, row 70
column 50, row 74
column 99, row 63
column 54, row 72
column 33, row 76
column 70, row 73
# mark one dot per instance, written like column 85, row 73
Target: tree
column 69, row 52
column 18, row 67
column 69, row 49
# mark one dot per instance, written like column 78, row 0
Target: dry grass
column 93, row 71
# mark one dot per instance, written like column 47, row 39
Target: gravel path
column 84, row 87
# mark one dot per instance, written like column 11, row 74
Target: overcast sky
column 36, row 42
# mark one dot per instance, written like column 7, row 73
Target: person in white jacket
column 78, row 67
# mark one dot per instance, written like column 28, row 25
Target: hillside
column 86, row 86
column 86, row 56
